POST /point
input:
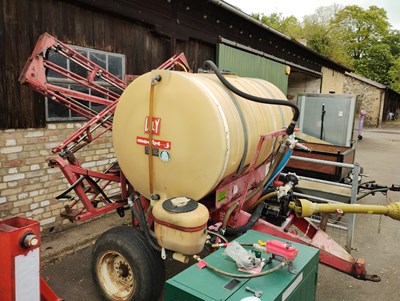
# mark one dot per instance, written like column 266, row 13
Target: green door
column 246, row 64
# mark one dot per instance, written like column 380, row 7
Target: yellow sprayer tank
column 200, row 130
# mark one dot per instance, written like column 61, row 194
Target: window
column 112, row 62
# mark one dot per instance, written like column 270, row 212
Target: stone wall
column 302, row 83
column 28, row 186
column 369, row 98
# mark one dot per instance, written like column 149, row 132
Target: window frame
column 69, row 83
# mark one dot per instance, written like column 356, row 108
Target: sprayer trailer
column 199, row 158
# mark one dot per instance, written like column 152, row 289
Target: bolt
column 30, row 240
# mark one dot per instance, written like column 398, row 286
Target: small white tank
column 200, row 130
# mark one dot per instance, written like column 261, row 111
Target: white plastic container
column 182, row 232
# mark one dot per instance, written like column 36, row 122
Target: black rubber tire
column 138, row 263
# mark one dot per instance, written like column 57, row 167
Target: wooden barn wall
column 23, row 21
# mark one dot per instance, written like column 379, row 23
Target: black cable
column 271, row 101
column 322, row 122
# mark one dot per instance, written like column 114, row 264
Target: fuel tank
column 201, row 131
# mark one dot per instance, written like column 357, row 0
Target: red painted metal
column 331, row 253
column 12, row 234
column 237, row 187
column 282, row 249
column 46, row 293
column 89, row 186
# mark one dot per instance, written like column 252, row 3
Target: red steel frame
column 34, row 75
column 12, row 232
column 331, row 253
column 85, row 205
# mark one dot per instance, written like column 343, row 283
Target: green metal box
column 203, row 284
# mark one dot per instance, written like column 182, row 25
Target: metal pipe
column 336, row 226
column 315, row 198
column 305, row 208
column 322, row 162
column 319, row 180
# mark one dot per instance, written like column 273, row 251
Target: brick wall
column 27, row 185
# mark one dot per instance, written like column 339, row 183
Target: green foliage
column 286, row 25
column 375, row 63
column 317, row 31
column 360, row 29
column 394, row 75
column 393, row 40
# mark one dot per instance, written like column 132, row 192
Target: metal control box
column 203, row 284
column 329, row 117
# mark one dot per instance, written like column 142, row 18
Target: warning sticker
column 156, row 143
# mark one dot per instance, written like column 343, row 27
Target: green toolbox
column 203, row 284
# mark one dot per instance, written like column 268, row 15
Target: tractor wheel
column 125, row 267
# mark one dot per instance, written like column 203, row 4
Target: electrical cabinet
column 329, row 117
column 203, row 284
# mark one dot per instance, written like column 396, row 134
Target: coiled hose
column 232, row 275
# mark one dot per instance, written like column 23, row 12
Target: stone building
column 370, row 96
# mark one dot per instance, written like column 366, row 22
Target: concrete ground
column 377, row 152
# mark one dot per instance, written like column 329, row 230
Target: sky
column 300, row 8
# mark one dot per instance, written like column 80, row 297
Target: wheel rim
column 116, row 276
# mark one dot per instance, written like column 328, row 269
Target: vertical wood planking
column 144, row 46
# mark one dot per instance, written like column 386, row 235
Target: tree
column 359, row 29
column 393, row 40
column 317, row 31
column 287, row 25
column 394, row 75
column 375, row 63
column 367, row 38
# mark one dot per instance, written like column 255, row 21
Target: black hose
column 255, row 216
column 142, row 223
column 271, row 101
